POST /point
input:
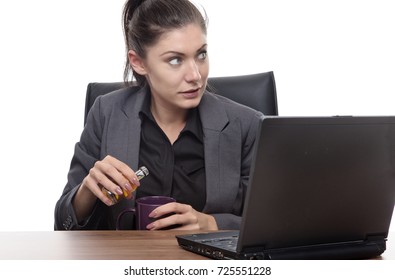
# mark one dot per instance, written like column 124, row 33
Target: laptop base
column 207, row 244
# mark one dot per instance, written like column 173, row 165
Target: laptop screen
column 320, row 180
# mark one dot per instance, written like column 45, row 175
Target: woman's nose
column 193, row 73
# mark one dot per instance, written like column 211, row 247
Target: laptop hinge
column 255, row 253
column 376, row 237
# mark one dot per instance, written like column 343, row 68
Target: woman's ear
column 136, row 63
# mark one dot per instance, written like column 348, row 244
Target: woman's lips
column 193, row 93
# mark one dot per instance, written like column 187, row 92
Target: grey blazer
column 113, row 128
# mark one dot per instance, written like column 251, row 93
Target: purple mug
column 144, row 206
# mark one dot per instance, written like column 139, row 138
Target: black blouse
column 174, row 170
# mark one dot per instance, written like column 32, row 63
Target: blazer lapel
column 124, row 139
column 214, row 120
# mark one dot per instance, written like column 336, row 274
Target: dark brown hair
column 144, row 21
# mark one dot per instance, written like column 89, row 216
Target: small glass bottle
column 141, row 173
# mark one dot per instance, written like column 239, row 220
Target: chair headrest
column 257, row 91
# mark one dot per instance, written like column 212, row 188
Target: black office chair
column 257, row 91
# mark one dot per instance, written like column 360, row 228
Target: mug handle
column 127, row 210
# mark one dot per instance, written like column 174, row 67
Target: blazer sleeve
column 86, row 153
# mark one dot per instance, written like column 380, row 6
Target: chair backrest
column 257, row 91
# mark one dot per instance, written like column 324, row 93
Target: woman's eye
column 202, row 55
column 175, row 61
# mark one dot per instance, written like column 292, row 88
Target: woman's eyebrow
column 181, row 54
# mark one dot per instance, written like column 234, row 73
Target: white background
column 329, row 58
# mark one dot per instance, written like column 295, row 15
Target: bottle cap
column 144, row 170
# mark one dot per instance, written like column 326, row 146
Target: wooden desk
column 92, row 245
column 105, row 245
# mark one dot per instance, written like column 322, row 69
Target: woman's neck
column 172, row 122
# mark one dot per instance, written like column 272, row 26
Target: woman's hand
column 109, row 173
column 182, row 215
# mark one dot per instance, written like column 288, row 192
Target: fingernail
column 128, row 187
column 136, row 182
column 150, row 226
column 108, row 202
column 152, row 214
column 119, row 190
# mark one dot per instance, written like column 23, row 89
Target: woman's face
column 177, row 67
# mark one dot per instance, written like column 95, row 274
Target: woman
column 196, row 145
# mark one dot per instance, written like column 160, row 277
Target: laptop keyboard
column 228, row 243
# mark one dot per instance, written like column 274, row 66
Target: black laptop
column 320, row 188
